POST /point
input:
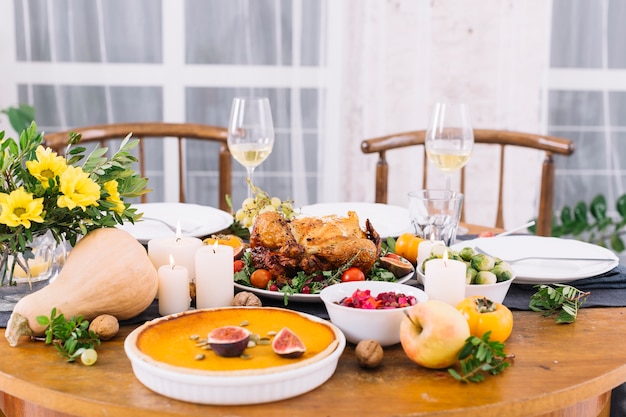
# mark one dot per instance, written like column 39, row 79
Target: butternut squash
column 107, row 272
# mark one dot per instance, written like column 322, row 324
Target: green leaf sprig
column 560, row 300
column 593, row 223
column 480, row 356
column 69, row 336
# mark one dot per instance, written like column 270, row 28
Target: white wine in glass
column 449, row 138
column 250, row 133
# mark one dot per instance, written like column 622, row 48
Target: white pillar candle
column 173, row 289
column 425, row 247
column 214, row 276
column 183, row 249
column 445, row 280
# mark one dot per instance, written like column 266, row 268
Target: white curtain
column 403, row 56
column 336, row 72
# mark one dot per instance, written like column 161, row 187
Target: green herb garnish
column 562, row 300
column 69, row 336
column 480, row 356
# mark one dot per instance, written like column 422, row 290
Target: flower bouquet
column 42, row 191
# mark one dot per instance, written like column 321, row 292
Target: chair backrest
column 502, row 138
column 156, row 130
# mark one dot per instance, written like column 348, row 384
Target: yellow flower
column 78, row 189
column 48, row 165
column 20, row 208
column 114, row 196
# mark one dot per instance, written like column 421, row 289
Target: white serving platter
column 546, row 271
column 387, row 220
column 195, row 220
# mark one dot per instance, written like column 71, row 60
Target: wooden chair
column 155, row 130
column 502, row 138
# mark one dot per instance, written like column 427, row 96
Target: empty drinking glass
column 435, row 214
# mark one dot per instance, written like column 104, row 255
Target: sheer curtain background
column 336, row 72
column 403, row 56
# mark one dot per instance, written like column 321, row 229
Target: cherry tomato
column 407, row 245
column 260, row 278
column 484, row 315
column 238, row 265
column 352, row 274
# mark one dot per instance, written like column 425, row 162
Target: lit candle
column 214, row 276
column 182, row 248
column 425, row 248
column 173, row 288
column 445, row 280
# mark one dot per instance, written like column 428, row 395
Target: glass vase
column 48, row 259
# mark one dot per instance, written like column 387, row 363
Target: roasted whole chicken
column 312, row 244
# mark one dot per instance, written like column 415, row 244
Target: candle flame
column 445, row 257
column 215, row 246
column 179, row 235
column 172, row 263
column 432, row 237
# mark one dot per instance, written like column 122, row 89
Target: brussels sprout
column 483, row 262
column 467, row 253
column 455, row 256
column 485, row 277
column 470, row 275
column 503, row 271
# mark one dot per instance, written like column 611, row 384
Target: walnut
column 369, row 353
column 105, row 326
column 246, row 298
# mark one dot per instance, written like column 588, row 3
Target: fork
column 549, row 258
column 169, row 226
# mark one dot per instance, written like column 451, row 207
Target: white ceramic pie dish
column 219, row 389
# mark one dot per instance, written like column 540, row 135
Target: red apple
column 433, row 334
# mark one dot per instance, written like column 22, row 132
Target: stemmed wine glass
column 250, row 133
column 449, row 138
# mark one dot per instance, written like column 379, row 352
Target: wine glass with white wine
column 449, row 138
column 250, row 133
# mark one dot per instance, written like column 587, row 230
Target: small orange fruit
column 236, row 242
column 407, row 245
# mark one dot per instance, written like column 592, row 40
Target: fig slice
column 229, row 341
column 287, row 344
column 399, row 267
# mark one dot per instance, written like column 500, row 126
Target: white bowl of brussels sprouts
column 486, row 275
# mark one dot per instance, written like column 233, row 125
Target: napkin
column 606, row 290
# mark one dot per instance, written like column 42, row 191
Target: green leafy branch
column 69, row 336
column 564, row 301
column 481, row 356
column 20, row 117
column 592, row 224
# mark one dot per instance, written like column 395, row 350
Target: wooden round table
column 559, row 370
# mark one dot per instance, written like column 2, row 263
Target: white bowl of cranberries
column 370, row 309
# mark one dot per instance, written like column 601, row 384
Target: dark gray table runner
column 606, row 290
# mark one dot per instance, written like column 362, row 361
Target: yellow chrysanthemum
column 20, row 208
column 114, row 196
column 48, row 165
column 78, row 189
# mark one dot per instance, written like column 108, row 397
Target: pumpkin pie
column 176, row 341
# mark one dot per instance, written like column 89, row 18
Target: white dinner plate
column 541, row 271
column 195, row 220
column 388, row 220
column 301, row 298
